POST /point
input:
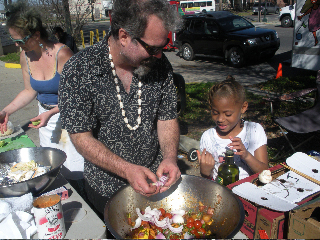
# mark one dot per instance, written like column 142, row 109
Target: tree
column 71, row 15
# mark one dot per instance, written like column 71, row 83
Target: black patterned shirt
column 88, row 101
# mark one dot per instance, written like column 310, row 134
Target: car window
column 209, row 3
column 211, row 27
column 257, row 4
column 234, row 23
column 197, row 27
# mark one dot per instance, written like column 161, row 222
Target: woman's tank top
column 47, row 89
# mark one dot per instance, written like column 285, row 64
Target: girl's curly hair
column 228, row 88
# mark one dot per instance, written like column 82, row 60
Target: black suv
column 224, row 34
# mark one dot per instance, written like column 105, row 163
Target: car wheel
column 187, row 52
column 286, row 22
column 192, row 155
column 235, row 57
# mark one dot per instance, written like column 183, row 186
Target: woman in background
column 41, row 62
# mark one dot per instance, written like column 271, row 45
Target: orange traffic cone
column 279, row 72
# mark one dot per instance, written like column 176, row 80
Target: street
column 205, row 68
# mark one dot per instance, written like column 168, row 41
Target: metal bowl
column 43, row 155
column 185, row 194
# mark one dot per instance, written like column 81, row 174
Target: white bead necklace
column 125, row 119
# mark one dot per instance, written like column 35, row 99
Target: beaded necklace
column 116, row 81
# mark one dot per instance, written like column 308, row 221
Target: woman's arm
column 26, row 95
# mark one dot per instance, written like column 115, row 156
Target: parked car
column 270, row 8
column 287, row 15
column 224, row 34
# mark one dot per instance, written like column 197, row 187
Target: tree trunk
column 67, row 17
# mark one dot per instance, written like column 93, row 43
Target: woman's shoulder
column 61, row 48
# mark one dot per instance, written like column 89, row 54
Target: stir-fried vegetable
column 162, row 224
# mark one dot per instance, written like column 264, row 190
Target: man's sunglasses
column 151, row 49
column 21, row 41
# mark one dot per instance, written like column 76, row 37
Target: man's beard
column 145, row 66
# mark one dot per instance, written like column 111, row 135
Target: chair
column 306, row 122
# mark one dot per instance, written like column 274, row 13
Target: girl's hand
column 238, row 145
column 206, row 162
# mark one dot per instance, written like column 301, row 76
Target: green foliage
column 11, row 58
column 285, row 85
column 197, row 108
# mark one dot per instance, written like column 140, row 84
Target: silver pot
column 185, row 194
column 43, row 155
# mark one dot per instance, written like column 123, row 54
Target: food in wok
column 178, row 224
column 43, row 156
column 21, row 171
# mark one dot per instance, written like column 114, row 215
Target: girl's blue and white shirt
column 252, row 135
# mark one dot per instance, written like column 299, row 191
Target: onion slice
column 188, row 236
column 175, row 230
column 160, row 236
column 137, row 224
column 146, row 217
column 162, row 223
column 179, row 212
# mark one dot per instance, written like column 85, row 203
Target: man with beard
column 118, row 103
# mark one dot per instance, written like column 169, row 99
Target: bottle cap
column 229, row 152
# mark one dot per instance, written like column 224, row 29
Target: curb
column 12, row 65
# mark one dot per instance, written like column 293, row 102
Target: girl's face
column 226, row 113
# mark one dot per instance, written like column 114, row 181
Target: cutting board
column 17, row 142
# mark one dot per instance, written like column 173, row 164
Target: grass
column 11, row 58
column 197, row 118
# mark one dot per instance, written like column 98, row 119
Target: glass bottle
column 228, row 172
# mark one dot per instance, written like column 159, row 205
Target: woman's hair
column 132, row 15
column 25, row 21
column 228, row 88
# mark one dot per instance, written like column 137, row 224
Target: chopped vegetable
column 162, row 224
column 35, row 123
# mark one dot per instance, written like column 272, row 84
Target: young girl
column 248, row 139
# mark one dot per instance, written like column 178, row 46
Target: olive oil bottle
column 228, row 172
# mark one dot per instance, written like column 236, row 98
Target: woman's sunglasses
column 21, row 41
column 151, row 49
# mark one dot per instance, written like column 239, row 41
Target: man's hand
column 169, row 168
column 137, row 177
